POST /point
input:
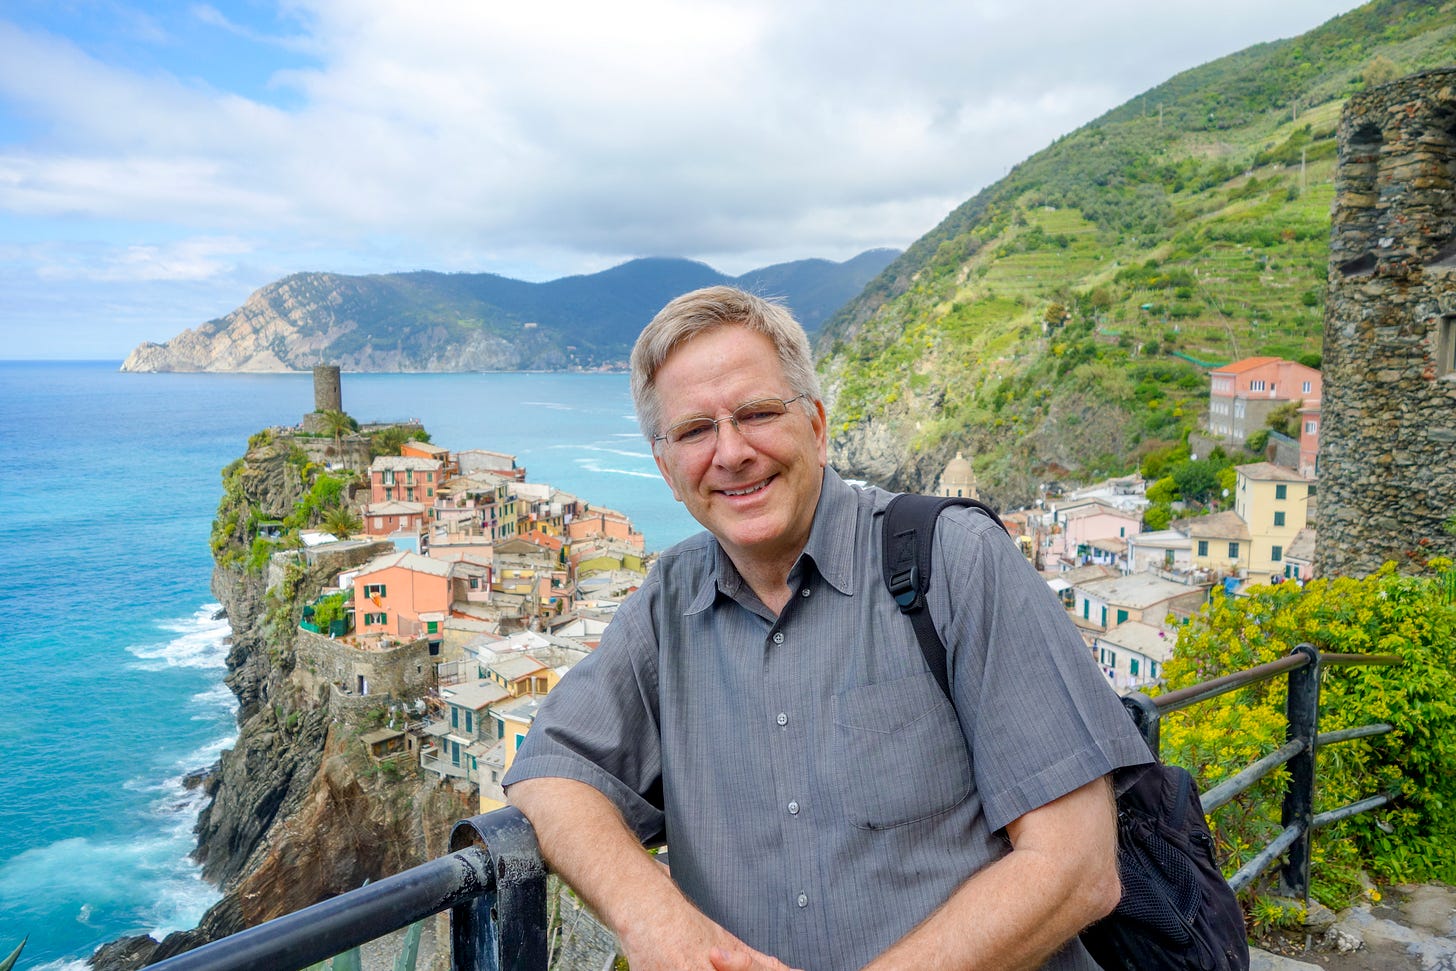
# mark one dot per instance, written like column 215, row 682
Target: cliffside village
column 471, row 591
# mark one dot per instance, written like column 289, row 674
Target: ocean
column 111, row 661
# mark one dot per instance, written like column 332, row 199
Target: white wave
column 148, row 874
column 553, row 405
column 201, row 642
column 591, row 465
column 637, row 454
column 63, row 965
column 218, row 696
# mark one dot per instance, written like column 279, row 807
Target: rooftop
column 1269, row 472
column 1136, row 590
column 1220, row 525
column 1146, row 639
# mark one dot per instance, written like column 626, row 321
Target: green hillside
column 1060, row 323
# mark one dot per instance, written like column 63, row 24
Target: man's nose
column 733, row 447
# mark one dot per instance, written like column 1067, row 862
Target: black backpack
column 1177, row 911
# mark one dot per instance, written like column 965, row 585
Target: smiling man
column 762, row 705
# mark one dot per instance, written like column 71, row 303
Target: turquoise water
column 110, row 662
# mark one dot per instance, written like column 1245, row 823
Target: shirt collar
column 832, row 537
column 830, row 547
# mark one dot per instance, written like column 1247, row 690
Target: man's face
column 755, row 494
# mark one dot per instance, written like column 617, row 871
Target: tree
column 1285, row 419
column 338, row 424
column 1380, row 70
column 341, row 521
column 1197, row 481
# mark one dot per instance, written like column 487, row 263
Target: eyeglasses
column 751, row 418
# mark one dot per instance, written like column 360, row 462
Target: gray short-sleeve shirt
column 819, row 794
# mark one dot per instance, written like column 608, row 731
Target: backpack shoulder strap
column 907, row 534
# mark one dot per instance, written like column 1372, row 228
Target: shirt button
column 803, row 900
column 783, row 719
column 778, row 637
column 793, row 809
column 804, row 592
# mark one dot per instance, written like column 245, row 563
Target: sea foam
column 201, row 642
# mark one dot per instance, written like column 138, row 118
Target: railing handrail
column 1303, row 666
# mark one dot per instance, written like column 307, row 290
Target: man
column 762, row 705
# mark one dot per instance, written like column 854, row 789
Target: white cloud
column 569, row 136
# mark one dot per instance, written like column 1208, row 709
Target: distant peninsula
column 427, row 321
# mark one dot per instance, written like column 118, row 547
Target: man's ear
column 662, row 470
column 820, row 421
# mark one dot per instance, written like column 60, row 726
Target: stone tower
column 1387, row 463
column 327, row 395
column 958, row 479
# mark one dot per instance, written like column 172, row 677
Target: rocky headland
column 298, row 814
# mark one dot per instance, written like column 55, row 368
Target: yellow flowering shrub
column 1385, row 613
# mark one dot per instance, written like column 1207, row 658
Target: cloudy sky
column 159, row 161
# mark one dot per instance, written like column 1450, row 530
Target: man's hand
column 586, row 842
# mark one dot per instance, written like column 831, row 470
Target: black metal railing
column 1303, row 667
column 494, row 880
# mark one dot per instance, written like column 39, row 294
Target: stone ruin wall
column 1387, row 463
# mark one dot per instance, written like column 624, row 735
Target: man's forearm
column 586, row 842
column 1060, row 876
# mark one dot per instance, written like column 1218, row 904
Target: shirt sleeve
column 1039, row 716
column 600, row 724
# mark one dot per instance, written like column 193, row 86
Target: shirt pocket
column 899, row 752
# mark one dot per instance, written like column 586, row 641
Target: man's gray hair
column 708, row 309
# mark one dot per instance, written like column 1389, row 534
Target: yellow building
column 512, row 721
column 1219, row 544
column 1273, row 502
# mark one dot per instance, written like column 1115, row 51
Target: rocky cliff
column 297, row 813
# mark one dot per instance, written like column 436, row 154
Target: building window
column 1121, row 618
column 1306, row 387
column 500, row 728
column 1203, row 547
column 1281, row 492
column 432, row 627
column 469, row 722
column 1233, row 551
column 454, row 717
column 374, row 590
column 1310, row 427
column 1278, row 519
column 1132, row 666
column 1256, row 385
column 1276, row 554
column 1446, row 347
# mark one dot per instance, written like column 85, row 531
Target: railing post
column 1302, row 710
column 504, row 930
column 1145, row 715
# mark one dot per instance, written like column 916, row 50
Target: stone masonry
column 1387, row 464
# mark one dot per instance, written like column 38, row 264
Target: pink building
column 1241, row 395
column 408, row 595
column 405, row 478
column 1080, row 529
column 393, row 516
column 1309, row 423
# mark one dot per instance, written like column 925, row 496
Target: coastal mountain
column 1060, row 324
column 427, row 321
